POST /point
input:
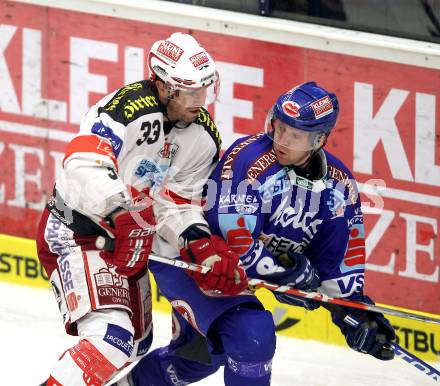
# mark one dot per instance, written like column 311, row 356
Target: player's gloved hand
column 226, row 274
column 300, row 274
column 373, row 335
column 134, row 231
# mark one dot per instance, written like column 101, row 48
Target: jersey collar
column 314, row 185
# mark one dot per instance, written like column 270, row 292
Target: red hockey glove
column 226, row 275
column 134, row 233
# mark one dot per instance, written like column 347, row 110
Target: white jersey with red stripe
column 125, row 148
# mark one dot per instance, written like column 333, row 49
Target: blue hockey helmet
column 306, row 107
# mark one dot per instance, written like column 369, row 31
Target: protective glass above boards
column 418, row 20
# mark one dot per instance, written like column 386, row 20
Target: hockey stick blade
column 104, row 243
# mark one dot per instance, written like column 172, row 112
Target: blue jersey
column 264, row 210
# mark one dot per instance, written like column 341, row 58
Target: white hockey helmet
column 185, row 67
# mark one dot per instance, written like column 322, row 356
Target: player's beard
column 178, row 112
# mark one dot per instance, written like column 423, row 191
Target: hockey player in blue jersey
column 291, row 210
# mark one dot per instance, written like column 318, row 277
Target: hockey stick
column 399, row 351
column 107, row 244
column 333, row 305
column 339, row 301
column 103, row 243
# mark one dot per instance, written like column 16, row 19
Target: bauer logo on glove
column 141, row 232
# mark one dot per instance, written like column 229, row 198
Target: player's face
column 186, row 103
column 180, row 107
column 292, row 146
column 178, row 111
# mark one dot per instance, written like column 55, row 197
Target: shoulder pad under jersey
column 249, row 157
column 337, row 170
column 204, row 119
column 131, row 102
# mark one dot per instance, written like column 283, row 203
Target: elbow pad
column 92, row 189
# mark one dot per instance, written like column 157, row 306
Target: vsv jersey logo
column 349, row 284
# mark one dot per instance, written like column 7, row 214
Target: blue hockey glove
column 300, row 274
column 372, row 336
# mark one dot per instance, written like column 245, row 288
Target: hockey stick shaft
column 179, row 263
column 399, row 351
column 107, row 244
column 416, row 362
column 339, row 301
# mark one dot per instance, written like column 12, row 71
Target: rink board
column 57, row 61
column 19, row 265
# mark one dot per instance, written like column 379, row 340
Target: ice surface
column 33, row 337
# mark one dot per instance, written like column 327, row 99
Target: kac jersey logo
column 169, row 150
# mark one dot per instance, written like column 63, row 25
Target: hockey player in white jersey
column 136, row 167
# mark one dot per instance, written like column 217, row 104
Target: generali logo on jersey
column 170, row 50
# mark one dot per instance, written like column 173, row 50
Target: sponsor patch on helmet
column 291, row 109
column 322, row 107
column 198, row 60
column 170, row 50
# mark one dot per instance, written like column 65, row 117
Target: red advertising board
column 54, row 64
